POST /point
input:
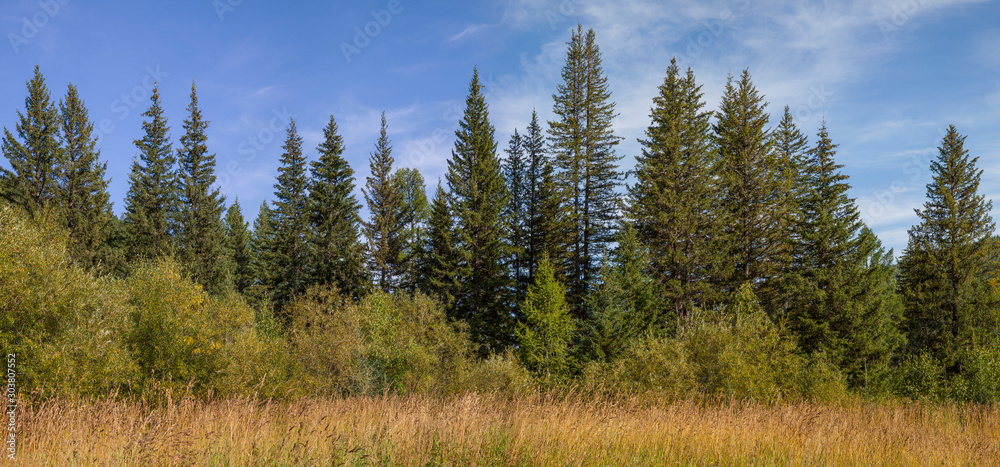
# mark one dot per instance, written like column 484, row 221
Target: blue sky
column 888, row 76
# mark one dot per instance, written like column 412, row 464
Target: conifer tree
column 152, row 201
column 949, row 305
column 416, row 212
column 201, row 236
column 673, row 201
column 583, row 143
column 626, row 302
column 515, row 173
column 385, row 229
column 335, row 219
column 753, row 191
column 238, row 248
column 263, row 247
column 544, row 334
column 34, row 153
column 544, row 230
column 840, row 290
column 81, row 188
column 288, row 248
column 440, row 264
column 479, row 195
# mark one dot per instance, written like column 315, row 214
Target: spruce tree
column 626, row 303
column 288, row 252
column 152, row 201
column 82, row 189
column 545, row 229
column 673, row 202
column 544, row 335
column 263, row 248
column 839, row 291
column 583, row 143
column 949, row 306
column 753, row 192
column 335, row 219
column 440, row 263
column 201, row 236
column 34, row 153
column 478, row 196
column 416, row 212
column 515, row 173
column 238, row 248
column 385, row 229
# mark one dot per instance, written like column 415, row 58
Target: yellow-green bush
column 64, row 325
column 381, row 343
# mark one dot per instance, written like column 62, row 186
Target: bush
column 381, row 343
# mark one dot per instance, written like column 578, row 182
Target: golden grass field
column 501, row 430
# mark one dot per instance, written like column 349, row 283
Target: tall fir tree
column 288, row 248
column 944, row 269
column 840, row 288
column 440, row 263
column 385, row 229
column 238, row 248
column 583, row 143
column 673, row 202
column 752, row 189
column 416, row 213
column 152, row 202
column 335, row 219
column 545, row 229
column 792, row 148
column 479, row 195
column 515, row 172
column 34, row 154
column 263, row 249
column 544, row 335
column 201, row 236
column 82, row 189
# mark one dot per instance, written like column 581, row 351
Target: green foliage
column 416, row 213
column 478, row 197
column 582, row 140
column 515, row 172
column 65, row 326
column 200, row 235
column 152, row 202
column 382, row 343
column 545, row 231
column 625, row 304
column 385, row 230
column 35, row 153
column 238, row 248
column 440, row 263
column 544, row 335
column 673, row 200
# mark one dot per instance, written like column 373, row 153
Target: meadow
column 501, row 429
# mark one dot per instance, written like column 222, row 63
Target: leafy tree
column 840, row 294
column 674, row 200
column 385, row 230
column 949, row 304
column 201, row 236
column 544, row 335
column 82, row 189
column 415, row 215
column 626, row 303
column 440, row 264
column 515, row 173
column 288, row 247
column 238, row 248
column 35, row 153
column 152, row 201
column 478, row 197
column 753, row 192
column 583, row 143
column 333, row 212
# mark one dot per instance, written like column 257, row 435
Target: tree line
column 546, row 251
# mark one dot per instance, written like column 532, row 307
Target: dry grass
column 499, row 430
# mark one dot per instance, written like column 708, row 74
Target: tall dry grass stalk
column 501, row 430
